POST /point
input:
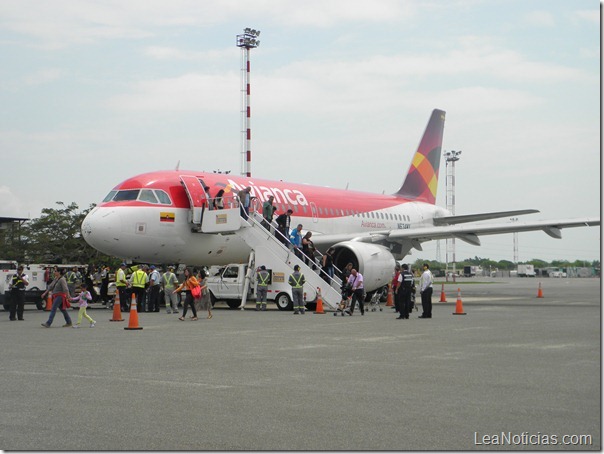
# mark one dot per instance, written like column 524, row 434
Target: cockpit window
column 163, row 197
column 156, row 196
column 109, row 196
column 147, row 196
column 129, row 194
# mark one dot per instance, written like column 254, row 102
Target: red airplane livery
column 156, row 217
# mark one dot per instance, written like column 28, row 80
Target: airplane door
column 197, row 196
column 313, row 209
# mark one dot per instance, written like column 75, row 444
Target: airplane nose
column 101, row 228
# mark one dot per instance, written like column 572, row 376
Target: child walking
column 83, row 299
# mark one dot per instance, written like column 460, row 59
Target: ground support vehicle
column 526, row 270
column 228, row 283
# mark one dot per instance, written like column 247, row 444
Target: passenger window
column 109, row 196
column 147, row 196
column 163, row 197
column 123, row 196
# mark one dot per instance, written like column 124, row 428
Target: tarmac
column 515, row 372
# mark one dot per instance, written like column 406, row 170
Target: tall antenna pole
column 248, row 40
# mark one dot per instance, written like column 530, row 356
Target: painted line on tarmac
column 113, row 377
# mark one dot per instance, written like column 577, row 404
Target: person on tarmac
column 404, row 288
column 187, row 286
column 263, row 277
column 358, row 291
column 138, row 283
column 297, row 280
column 17, row 286
column 60, row 294
column 425, row 289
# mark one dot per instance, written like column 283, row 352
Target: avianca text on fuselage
column 285, row 195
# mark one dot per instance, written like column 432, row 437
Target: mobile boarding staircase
column 269, row 249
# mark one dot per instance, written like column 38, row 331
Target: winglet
column 421, row 181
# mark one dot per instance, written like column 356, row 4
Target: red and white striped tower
column 248, row 40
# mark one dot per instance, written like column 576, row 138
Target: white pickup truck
column 227, row 283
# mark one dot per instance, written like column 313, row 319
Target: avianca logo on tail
column 287, row 196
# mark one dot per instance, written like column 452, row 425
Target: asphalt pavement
column 515, row 372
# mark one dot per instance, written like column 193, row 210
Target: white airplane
column 148, row 218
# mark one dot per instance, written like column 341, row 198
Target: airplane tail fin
column 421, row 181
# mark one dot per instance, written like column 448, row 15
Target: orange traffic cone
column 48, row 303
column 443, row 297
column 319, row 309
column 459, row 305
column 133, row 319
column 117, row 311
column 390, row 297
column 540, row 291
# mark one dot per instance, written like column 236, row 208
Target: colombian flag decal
column 165, row 216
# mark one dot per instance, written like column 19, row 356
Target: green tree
column 505, row 265
column 539, row 264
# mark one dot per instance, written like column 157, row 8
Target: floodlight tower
column 515, row 236
column 451, row 157
column 246, row 41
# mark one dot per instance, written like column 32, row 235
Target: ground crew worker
column 297, row 280
column 263, row 277
column 138, row 281
column 73, row 278
column 154, row 286
column 122, row 287
column 170, row 282
column 406, row 284
column 17, row 286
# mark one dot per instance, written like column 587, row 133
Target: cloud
column 173, row 53
column 591, row 16
column 62, row 23
column 43, row 76
column 190, row 92
column 539, row 19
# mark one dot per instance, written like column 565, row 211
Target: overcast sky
column 93, row 92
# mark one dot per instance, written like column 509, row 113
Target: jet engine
column 373, row 261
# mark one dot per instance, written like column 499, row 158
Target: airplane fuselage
column 155, row 225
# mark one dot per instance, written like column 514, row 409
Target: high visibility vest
column 139, row 279
column 17, row 283
column 119, row 277
column 71, row 277
column 263, row 277
column 296, row 283
column 169, row 279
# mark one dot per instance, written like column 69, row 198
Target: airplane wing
column 446, row 220
column 469, row 233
